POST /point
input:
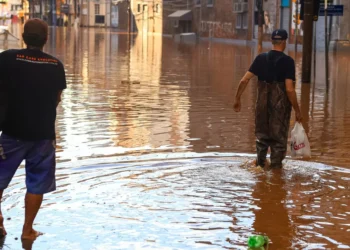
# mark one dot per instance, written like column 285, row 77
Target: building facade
column 228, row 19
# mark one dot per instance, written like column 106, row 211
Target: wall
column 123, row 16
column 169, row 7
column 219, row 21
column 147, row 17
column 87, row 13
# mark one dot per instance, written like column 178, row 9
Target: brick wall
column 170, row 7
column 220, row 21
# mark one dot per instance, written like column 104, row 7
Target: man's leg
column 278, row 153
column 40, row 179
column 12, row 153
column 32, row 205
column 279, row 132
column 262, row 124
column 262, row 147
column 2, row 228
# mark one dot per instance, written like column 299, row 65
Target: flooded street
column 151, row 155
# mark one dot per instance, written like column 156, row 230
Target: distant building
column 214, row 19
column 95, row 13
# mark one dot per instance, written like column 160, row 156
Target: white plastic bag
column 300, row 146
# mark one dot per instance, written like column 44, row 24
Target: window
column 239, row 21
column 139, row 8
column 242, row 21
column 197, row 3
column 97, row 9
column 99, row 19
column 245, row 20
column 240, row 6
column 210, row 3
column 157, row 8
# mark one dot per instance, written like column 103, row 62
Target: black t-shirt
column 273, row 66
column 33, row 80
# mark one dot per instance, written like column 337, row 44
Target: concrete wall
column 87, row 13
column 147, row 16
column 123, row 16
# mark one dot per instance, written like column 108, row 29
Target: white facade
column 96, row 13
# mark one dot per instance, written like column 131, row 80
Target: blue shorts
column 40, row 163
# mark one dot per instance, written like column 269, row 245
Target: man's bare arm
column 242, row 86
column 292, row 96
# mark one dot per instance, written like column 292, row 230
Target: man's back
column 274, row 65
column 34, row 80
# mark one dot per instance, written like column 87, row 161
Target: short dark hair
column 35, row 33
column 277, row 42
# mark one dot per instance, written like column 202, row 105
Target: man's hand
column 237, row 105
column 298, row 117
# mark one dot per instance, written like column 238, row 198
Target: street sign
column 333, row 10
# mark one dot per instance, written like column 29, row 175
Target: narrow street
column 151, row 154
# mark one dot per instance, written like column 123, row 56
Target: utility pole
column 129, row 26
column 307, row 40
column 326, row 40
column 259, row 5
column 296, row 27
column 129, row 16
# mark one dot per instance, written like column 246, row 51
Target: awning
column 182, row 15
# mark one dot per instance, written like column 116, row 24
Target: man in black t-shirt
column 276, row 97
column 33, row 82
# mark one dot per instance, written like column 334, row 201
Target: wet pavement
column 151, row 155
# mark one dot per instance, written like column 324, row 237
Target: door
column 145, row 19
column 115, row 16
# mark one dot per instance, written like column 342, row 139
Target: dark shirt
column 33, row 79
column 273, row 66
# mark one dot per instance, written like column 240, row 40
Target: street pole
column 296, row 27
column 260, row 24
column 315, row 45
column 307, row 41
column 326, row 39
column 129, row 16
column 129, row 25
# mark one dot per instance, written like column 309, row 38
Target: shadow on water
column 272, row 218
column 150, row 165
column 2, row 242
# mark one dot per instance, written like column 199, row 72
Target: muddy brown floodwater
column 150, row 152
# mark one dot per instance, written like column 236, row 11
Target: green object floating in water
column 257, row 241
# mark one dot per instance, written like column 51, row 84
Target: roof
column 184, row 15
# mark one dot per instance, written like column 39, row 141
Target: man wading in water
column 33, row 82
column 276, row 96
